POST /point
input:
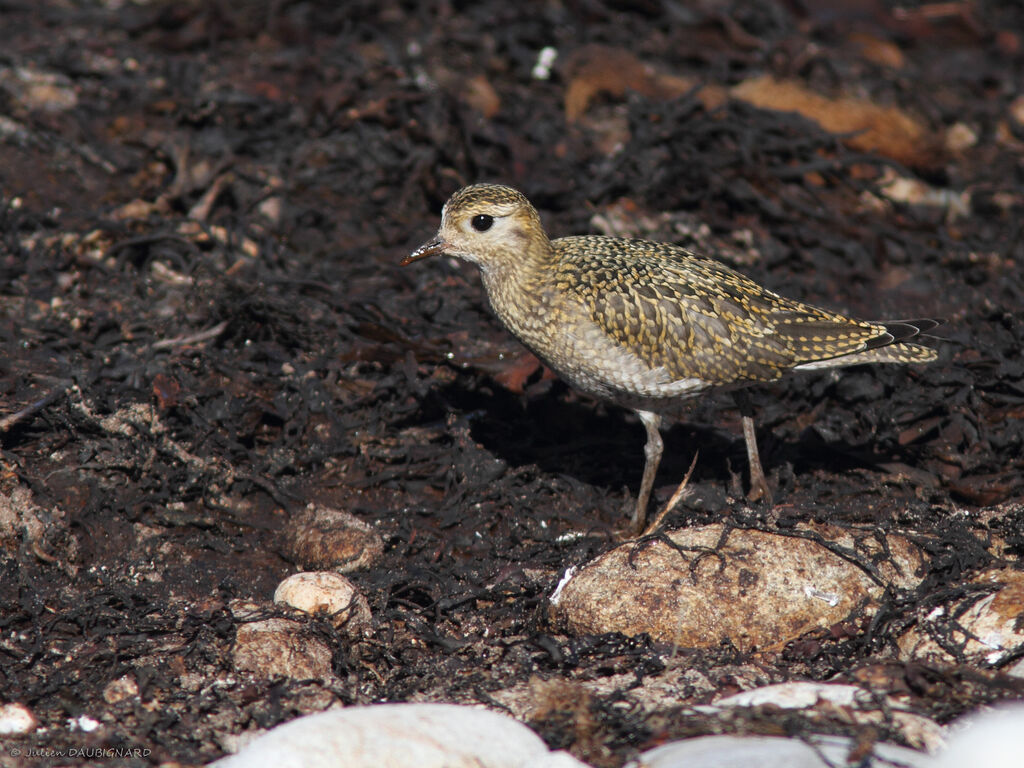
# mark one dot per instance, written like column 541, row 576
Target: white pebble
column 771, row 752
column 545, row 59
column 401, row 736
column 16, row 719
column 993, row 739
column 83, row 723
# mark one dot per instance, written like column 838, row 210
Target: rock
column 1017, row 110
column 323, row 538
column 986, row 629
column 798, row 695
column 1017, row 670
column 731, row 752
column 675, row 686
column 38, row 91
column 330, row 593
column 83, row 723
column 755, row 590
column 281, row 647
column 994, row 739
column 819, row 702
column 772, row 752
column 16, row 719
column 118, row 690
column 401, row 736
column 22, row 521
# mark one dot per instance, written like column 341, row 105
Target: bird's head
column 488, row 224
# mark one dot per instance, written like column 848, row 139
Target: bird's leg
column 652, row 453
column 759, row 490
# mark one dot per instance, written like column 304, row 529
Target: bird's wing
column 692, row 317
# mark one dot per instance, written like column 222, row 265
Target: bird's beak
column 430, row 248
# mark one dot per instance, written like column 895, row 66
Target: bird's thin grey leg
column 652, row 453
column 759, row 490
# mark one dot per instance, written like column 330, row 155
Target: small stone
column 38, row 91
column 244, row 609
column 863, row 706
column 191, row 682
column 757, row 590
column 83, row 723
column 324, row 538
column 960, row 137
column 772, row 752
column 118, row 690
column 22, row 519
column 1017, row 670
column 330, row 593
column 281, row 647
column 1017, row 110
column 798, row 695
column 16, row 720
column 985, row 630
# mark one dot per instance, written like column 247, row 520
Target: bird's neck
column 526, row 263
column 519, row 284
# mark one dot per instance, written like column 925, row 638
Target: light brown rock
column 329, row 593
column 22, row 520
column 37, row 90
column 756, row 590
column 281, row 647
column 322, row 538
column 120, row 689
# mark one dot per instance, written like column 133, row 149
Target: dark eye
column 482, row 222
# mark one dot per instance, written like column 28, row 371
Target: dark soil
column 204, row 328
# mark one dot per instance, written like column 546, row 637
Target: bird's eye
column 482, row 222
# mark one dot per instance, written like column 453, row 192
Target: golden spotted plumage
column 697, row 318
column 646, row 324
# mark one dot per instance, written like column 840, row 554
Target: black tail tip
column 902, row 330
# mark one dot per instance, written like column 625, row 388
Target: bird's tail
column 901, row 330
column 889, row 347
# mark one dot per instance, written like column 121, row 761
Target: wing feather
column 692, row 318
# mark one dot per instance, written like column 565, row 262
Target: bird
column 646, row 325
